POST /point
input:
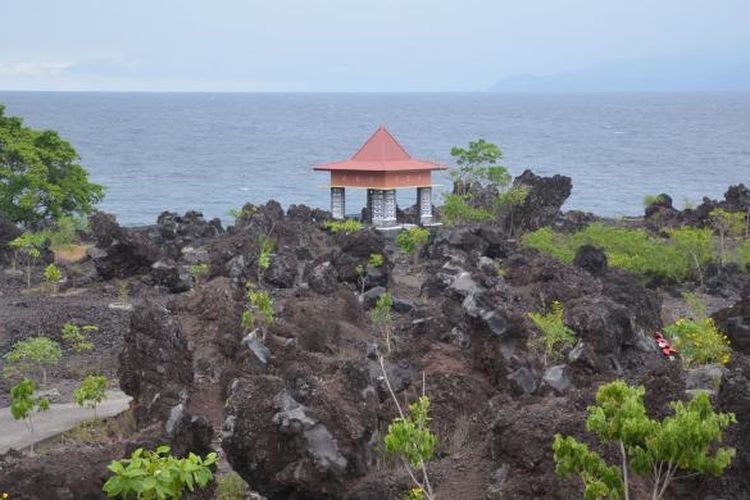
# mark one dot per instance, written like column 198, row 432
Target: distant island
column 682, row 74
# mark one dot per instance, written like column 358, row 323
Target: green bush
column 92, row 391
column 199, row 271
column 679, row 257
column 699, row 342
column 457, row 210
column 409, row 240
column 555, row 336
column 52, row 277
column 346, row 226
column 260, row 310
column 679, row 445
column 35, row 353
column 23, row 403
column 158, row 474
column 72, row 334
column 376, row 260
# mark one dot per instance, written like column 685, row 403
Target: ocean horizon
column 215, row 151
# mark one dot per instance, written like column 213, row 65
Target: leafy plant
column 699, row 342
column 158, row 474
column 382, row 318
column 679, row 257
column 242, row 214
column 410, row 439
column 685, row 442
column 71, row 333
column 199, row 271
column 457, row 209
column 35, row 353
column 123, row 292
column 376, row 260
column 728, row 225
column 92, row 391
column 346, row 226
column 40, row 175
column 696, row 305
column 555, row 336
column 52, row 277
column 265, row 245
column 29, row 246
column 409, row 240
column 260, row 311
column 23, row 403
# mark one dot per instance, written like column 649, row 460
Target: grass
column 70, row 254
column 679, row 257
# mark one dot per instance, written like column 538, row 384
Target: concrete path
column 60, row 418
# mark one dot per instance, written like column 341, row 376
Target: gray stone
column 706, row 377
column 496, row 322
column 236, row 266
column 522, row 381
column 402, row 306
column 371, row 296
column 175, row 417
column 464, row 284
column 323, row 278
column 556, row 378
column 252, row 342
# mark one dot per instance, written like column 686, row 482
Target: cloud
column 33, row 68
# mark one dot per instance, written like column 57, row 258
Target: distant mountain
column 633, row 75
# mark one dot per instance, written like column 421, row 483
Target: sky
column 347, row 45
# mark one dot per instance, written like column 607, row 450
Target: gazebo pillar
column 383, row 207
column 424, row 204
column 338, row 202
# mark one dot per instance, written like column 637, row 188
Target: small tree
column 260, row 310
column 34, row 353
column 346, row 226
column 158, row 474
column 681, row 445
column 728, row 225
column 410, row 440
column 92, row 391
column 53, row 277
column 555, row 335
column 23, row 403
column 265, row 246
column 71, row 333
column 694, row 245
column 382, row 318
column 29, row 247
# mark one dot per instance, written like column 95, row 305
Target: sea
column 216, row 151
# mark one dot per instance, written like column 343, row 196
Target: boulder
column 545, row 197
column 119, row 252
column 173, row 277
column 592, row 259
column 323, row 278
column 282, row 273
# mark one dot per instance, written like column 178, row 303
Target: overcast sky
column 346, row 45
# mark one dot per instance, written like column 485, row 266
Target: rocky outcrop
column 120, row 253
column 8, row 232
column 545, row 196
column 156, row 366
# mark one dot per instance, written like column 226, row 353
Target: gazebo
column 381, row 166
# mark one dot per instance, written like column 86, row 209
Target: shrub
column 741, row 255
column 409, row 240
column 728, row 225
column 52, row 277
column 71, row 333
column 346, row 226
column 265, row 246
column 42, row 178
column 158, row 474
column 29, row 247
column 261, row 310
column 679, row 257
column 123, row 292
column 35, row 353
column 699, row 342
column 555, row 336
column 376, row 260
column 457, row 209
column 23, row 403
column 650, row 199
column 382, row 318
column 93, row 390
column 685, row 442
column 199, row 271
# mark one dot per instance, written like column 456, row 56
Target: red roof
column 381, row 152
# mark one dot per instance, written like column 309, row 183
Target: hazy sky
column 346, row 45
